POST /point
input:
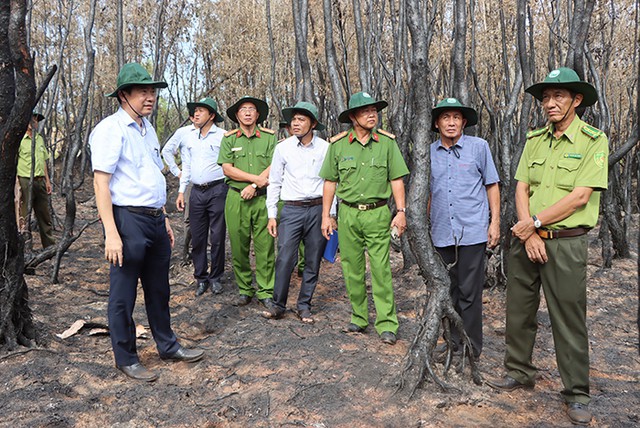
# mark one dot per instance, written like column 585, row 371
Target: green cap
column 359, row 100
column 263, row 108
column 565, row 78
column 207, row 103
column 453, row 104
column 134, row 74
column 305, row 108
column 39, row 116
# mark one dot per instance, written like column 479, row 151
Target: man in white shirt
column 294, row 179
column 130, row 196
column 207, row 199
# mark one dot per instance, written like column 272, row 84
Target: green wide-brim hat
column 39, row 116
column 134, row 74
column 565, row 78
column 209, row 104
column 359, row 100
column 453, row 104
column 305, row 108
column 261, row 106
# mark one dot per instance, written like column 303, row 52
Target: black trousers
column 206, row 219
column 298, row 224
column 467, row 281
column 146, row 253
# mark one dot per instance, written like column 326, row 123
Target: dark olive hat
column 134, row 74
column 39, row 116
column 261, row 106
column 209, row 104
column 359, row 100
column 453, row 104
column 565, row 78
column 305, row 108
column 283, row 124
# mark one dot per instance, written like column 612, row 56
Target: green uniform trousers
column 40, row 206
column 244, row 219
column 564, row 282
column 360, row 230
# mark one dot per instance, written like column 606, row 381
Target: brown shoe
column 507, row 383
column 184, row 354
column 579, row 413
column 138, row 372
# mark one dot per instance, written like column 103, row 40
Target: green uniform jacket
column 553, row 167
column 250, row 154
column 363, row 172
column 24, row 157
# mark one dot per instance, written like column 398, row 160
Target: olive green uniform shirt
column 250, row 154
column 24, row 157
column 553, row 167
column 363, row 172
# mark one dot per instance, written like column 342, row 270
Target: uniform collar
column 572, row 131
column 372, row 136
column 256, row 133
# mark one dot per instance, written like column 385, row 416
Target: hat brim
column 288, row 113
column 158, row 84
column 589, row 93
column 344, row 116
column 467, row 112
column 192, row 110
column 263, row 109
column 39, row 116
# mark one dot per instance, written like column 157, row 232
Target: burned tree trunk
column 304, row 88
column 17, row 94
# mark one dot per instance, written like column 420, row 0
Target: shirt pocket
column 346, row 171
column 566, row 173
column 379, row 170
column 536, row 171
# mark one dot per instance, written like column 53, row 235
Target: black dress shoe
column 388, row 337
column 267, row 302
column 508, row 384
column 184, row 354
column 138, row 372
column 216, row 287
column 579, row 413
column 244, row 300
column 354, row 328
column 202, row 287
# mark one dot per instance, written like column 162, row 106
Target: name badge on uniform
column 236, row 149
column 572, row 156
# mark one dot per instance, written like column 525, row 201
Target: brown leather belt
column 152, row 212
column 305, row 203
column 259, row 192
column 205, row 186
column 562, row 233
column 366, row 207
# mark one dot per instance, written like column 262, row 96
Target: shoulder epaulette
column 233, row 131
column 387, row 133
column 267, row 130
column 591, row 131
column 338, row 136
column 537, row 132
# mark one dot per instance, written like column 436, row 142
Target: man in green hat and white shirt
column 245, row 156
column 130, row 194
column 366, row 165
column 206, row 202
column 561, row 173
column 294, row 179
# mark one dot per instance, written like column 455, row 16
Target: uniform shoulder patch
column 387, row 133
column 591, row 131
column 267, row 130
column 537, row 132
column 233, row 131
column 338, row 136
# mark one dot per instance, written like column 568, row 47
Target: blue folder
column 331, row 249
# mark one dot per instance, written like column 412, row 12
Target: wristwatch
column 254, row 185
column 401, row 210
column 536, row 222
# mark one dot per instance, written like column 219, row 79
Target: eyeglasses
column 247, row 109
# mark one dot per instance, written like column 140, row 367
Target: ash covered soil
column 268, row 373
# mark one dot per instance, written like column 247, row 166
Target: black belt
column 152, row 212
column 259, row 192
column 305, row 203
column 366, row 207
column 205, row 186
column 562, row 233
